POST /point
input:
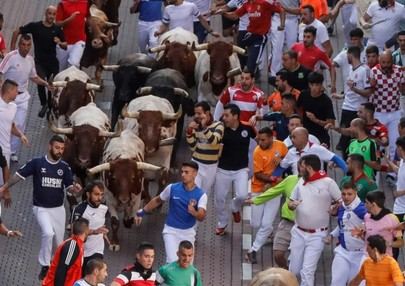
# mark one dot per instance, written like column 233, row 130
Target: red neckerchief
column 318, row 175
column 355, row 180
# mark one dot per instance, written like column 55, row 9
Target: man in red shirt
column 71, row 16
column 310, row 56
column 66, row 265
column 259, row 12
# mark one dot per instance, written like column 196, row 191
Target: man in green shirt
column 282, row 237
column 181, row 272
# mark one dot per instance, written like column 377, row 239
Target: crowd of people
column 285, row 163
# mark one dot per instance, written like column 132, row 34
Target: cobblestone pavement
column 220, row 259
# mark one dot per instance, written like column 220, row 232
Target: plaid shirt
column 387, row 88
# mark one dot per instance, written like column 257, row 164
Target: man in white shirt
column 295, row 121
column 19, row 66
column 204, row 7
column 314, row 191
column 322, row 40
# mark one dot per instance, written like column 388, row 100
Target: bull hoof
column 128, row 222
column 114, row 247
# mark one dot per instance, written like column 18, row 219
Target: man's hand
column 56, row 40
column 204, row 121
column 102, row 230
column 193, row 125
column 7, row 198
column 74, row 14
column 24, row 140
column 328, row 239
column 253, row 120
column 293, row 204
column 311, row 116
column 215, row 34
column 138, row 217
column 358, row 231
column 350, row 83
column 329, row 126
column 157, row 34
column 191, row 207
column 76, row 188
column 2, row 190
column 280, row 28
column 337, row 96
column 14, row 233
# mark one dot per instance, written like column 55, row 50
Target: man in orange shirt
column 320, row 7
column 379, row 268
column 283, row 87
column 266, row 158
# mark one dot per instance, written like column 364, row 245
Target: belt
column 312, row 230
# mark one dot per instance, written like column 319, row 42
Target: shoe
column 391, row 180
column 251, row 257
column 220, row 231
column 236, row 217
column 330, row 30
column 14, row 157
column 42, row 112
column 44, row 271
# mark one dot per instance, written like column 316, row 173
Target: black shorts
column 226, row 23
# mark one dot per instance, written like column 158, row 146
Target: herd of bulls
column 152, row 95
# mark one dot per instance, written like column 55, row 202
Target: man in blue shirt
column 187, row 204
column 51, row 177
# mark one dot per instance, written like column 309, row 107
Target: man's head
column 366, row 111
column 289, row 60
column 189, row 171
column 231, row 115
column 401, row 147
column 376, row 246
column 386, row 62
column 97, row 269
column 375, row 202
column 145, row 255
column 265, row 138
column 315, row 81
column 247, row 80
column 288, row 103
column 56, row 147
column 294, row 121
column 50, row 14
column 308, row 165
column 94, row 191
column 24, row 45
column 372, row 53
column 201, row 110
column 401, row 127
column 309, row 36
column 355, row 162
column 282, row 80
column 358, row 125
column 81, row 228
column 401, row 41
column 185, row 253
column 356, row 37
column 353, row 54
column 299, row 137
column 307, row 14
column 9, row 90
column 349, row 193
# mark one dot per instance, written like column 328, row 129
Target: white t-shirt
column 399, row 203
column 311, row 138
column 316, row 198
column 293, row 156
column 361, row 78
column 343, row 63
column 244, row 20
column 19, row 69
column 321, row 33
column 388, row 21
column 180, row 16
column 7, row 115
column 203, row 6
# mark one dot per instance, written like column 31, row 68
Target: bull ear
column 206, row 76
column 67, row 78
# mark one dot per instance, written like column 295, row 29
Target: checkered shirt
column 387, row 93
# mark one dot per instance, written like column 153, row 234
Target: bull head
column 166, row 116
column 106, row 167
column 60, row 130
column 117, row 133
column 157, row 49
column 205, row 46
column 233, row 72
column 146, row 90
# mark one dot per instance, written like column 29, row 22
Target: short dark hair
column 90, row 186
column 358, row 159
column 356, row 33
column 186, row 245
column 289, row 97
column 315, row 77
column 376, row 197
column 25, row 37
column 7, row 85
column 401, row 142
column 378, row 242
column 369, row 106
column 310, row 30
column 372, row 50
column 233, row 108
column 93, row 264
column 401, row 123
column 311, row 160
column 291, row 53
column 246, row 70
column 144, row 246
column 266, row 130
column 284, row 75
column 204, row 105
column 349, row 185
column 309, row 7
column 56, row 138
column 295, row 116
column 354, row 51
column 401, row 33
column 80, row 226
column 190, row 164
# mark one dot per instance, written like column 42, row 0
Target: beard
column 55, row 156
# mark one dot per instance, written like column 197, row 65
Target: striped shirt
column 205, row 144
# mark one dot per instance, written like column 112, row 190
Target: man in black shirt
column 298, row 77
column 46, row 36
column 232, row 166
column 317, row 108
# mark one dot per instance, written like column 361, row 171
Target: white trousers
column 252, row 147
column 52, row 224
column 390, row 120
column 346, row 12
column 146, row 37
column 305, row 251
column 345, row 266
column 71, row 56
column 262, row 219
column 20, row 122
column 172, row 238
column 224, row 181
column 403, row 105
column 206, row 176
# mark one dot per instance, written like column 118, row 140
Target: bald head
column 299, row 137
column 386, row 61
column 50, row 8
column 50, row 15
column 301, row 131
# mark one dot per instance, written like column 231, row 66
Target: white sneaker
column 14, row 158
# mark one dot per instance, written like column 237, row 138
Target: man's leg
column 345, row 119
column 171, row 244
column 223, row 183
column 42, row 73
column 143, row 36
column 62, row 56
column 256, row 46
column 206, row 176
column 152, row 40
column 297, row 250
column 200, row 32
column 76, row 53
column 58, row 221
column 20, row 122
column 240, row 185
column 341, row 267
column 313, row 250
column 291, row 30
column 281, row 242
column 241, row 43
column 277, row 43
column 45, row 223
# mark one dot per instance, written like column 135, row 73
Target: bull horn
column 180, row 92
column 116, row 133
column 92, row 86
column 147, row 167
column 167, row 141
column 59, row 130
column 234, row 72
column 143, row 70
column 173, row 116
column 238, row 50
column 99, row 168
column 59, row 83
column 110, row 67
column 200, row 47
column 144, row 90
column 157, row 49
column 126, row 113
column 110, row 24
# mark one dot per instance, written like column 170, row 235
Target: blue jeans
column 200, row 32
